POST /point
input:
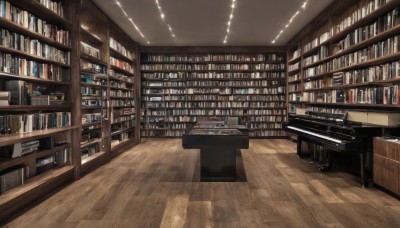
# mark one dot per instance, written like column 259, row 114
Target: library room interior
column 199, row 113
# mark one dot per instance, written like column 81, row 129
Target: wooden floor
column 156, row 184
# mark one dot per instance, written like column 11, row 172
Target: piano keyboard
column 315, row 134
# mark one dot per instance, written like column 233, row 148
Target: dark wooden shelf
column 92, row 85
column 122, row 121
column 119, row 55
column 86, row 144
column 294, row 71
column 92, row 59
column 116, row 68
column 86, row 35
column 118, row 79
column 353, row 105
column 19, row 29
column 92, row 159
column 293, row 60
column 4, row 75
column 212, row 62
column 122, row 106
column 24, row 137
column 295, row 81
column 118, row 132
column 363, row 44
column 30, row 108
column 25, row 159
column 91, row 124
column 29, row 56
column 118, row 97
column 116, row 88
column 42, row 12
column 208, row 71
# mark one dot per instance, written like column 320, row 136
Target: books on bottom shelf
column 13, row 177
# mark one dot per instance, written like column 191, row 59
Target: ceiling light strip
column 133, row 23
column 303, row 6
column 228, row 30
column 162, row 15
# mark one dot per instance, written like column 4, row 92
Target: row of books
column 120, row 76
column 360, row 13
column 296, row 53
column 118, row 85
column 54, row 6
column 315, row 84
column 293, row 77
column 21, row 66
column 11, row 124
column 322, row 54
column 384, row 23
column 90, row 102
column 121, row 64
column 121, row 93
column 93, row 91
column 215, row 98
column 256, row 66
column 52, row 99
column 30, row 46
column 257, row 83
column 312, row 44
column 281, row 118
column 18, row 175
column 114, row 44
column 90, row 50
column 33, row 23
column 93, row 79
column 294, row 66
column 211, row 57
column 364, row 95
column 214, row 104
column 264, row 125
column 371, row 74
column 88, row 151
column 92, row 67
column 264, row 133
column 381, row 49
column 293, row 87
column 212, row 75
column 121, row 102
column 91, row 118
column 123, row 118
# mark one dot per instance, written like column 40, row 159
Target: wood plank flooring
column 156, row 184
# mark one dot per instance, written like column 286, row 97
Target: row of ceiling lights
column 290, row 21
column 233, row 6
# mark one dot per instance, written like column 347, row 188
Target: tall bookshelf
column 65, row 127
column 181, row 85
column 37, row 125
column 123, row 92
column 94, row 84
column 349, row 59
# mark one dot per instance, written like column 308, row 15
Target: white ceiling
column 204, row 22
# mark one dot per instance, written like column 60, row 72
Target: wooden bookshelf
column 315, row 89
column 191, row 94
column 39, row 174
column 84, row 76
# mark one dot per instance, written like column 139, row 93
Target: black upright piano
column 335, row 134
column 218, row 144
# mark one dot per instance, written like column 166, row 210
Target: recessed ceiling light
column 163, row 18
column 290, row 21
column 132, row 22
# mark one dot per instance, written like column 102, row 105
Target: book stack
column 5, row 98
column 11, row 178
column 337, row 79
